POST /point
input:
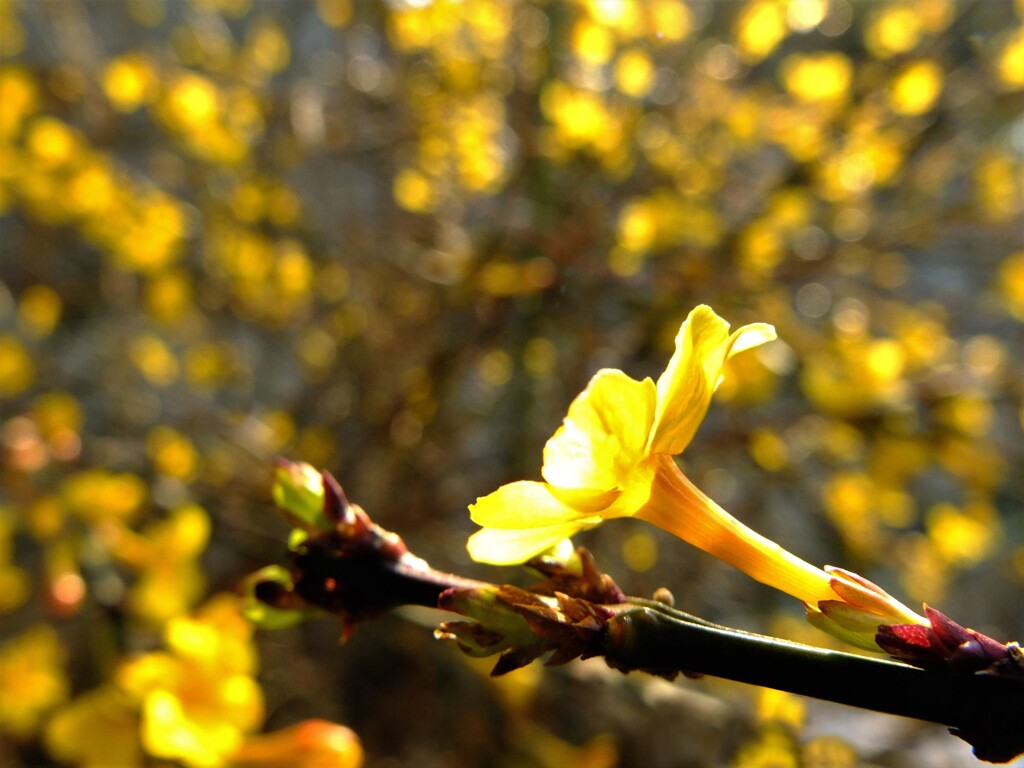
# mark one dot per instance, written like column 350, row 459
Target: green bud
column 260, row 612
column 299, row 492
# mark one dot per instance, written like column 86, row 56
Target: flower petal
column 604, row 434
column 703, row 344
column 523, row 504
column 508, row 547
column 750, row 336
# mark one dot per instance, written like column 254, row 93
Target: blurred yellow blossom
column 198, row 698
column 99, row 496
column 130, row 81
column 963, row 536
column 14, row 582
column 894, row 28
column 16, row 368
column 32, row 679
column 1010, row 284
column 19, row 96
column 172, row 453
column 773, row 747
column 916, row 88
column 165, row 556
column 309, row 744
column 760, row 27
column 154, row 359
column 98, row 729
column 39, row 310
column 818, row 77
column 1010, row 65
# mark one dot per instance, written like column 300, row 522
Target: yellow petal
column 508, row 547
column 749, row 336
column 586, row 501
column 604, row 434
column 523, row 504
column 703, row 344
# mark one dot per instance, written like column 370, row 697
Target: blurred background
column 394, row 240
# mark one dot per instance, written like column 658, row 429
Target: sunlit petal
column 703, row 344
column 604, row 433
column 586, row 501
column 689, row 380
column 507, row 547
column 523, row 504
column 750, row 336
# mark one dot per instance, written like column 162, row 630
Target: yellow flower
column 309, row 744
column 199, row 699
column 98, row 729
column 32, row 680
column 612, row 457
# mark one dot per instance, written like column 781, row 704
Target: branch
column 344, row 564
column 984, row 710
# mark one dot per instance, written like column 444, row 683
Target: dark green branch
column 982, row 709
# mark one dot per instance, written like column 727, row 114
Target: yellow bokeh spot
column 317, row 349
column 335, row 13
column 1010, row 284
column 894, row 29
column 17, row 371
column 805, row 15
column 671, row 21
column 280, row 430
column 294, row 270
column 39, row 310
column 32, row 679
column 52, row 141
column 634, row 73
column 192, row 101
column 580, row 116
column 505, row 278
column 916, row 88
column 638, row 226
column 849, row 499
column 999, row 189
column 99, row 728
column 540, row 357
column 768, row 449
column 963, row 537
column 1010, row 62
column 760, row 248
column 56, row 412
column 593, row 43
column 168, row 296
column 97, row 496
column 19, row 95
column 970, row 415
column 774, row 747
column 781, row 708
column 130, row 81
column 935, row 15
column 154, row 360
column 414, row 191
column 172, row 453
column 268, row 47
column 640, row 550
column 93, row 189
column 495, row 367
column 817, row 77
column 884, row 361
column 829, row 752
column 760, row 27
